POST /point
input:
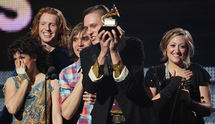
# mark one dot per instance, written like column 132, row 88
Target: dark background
column 146, row 19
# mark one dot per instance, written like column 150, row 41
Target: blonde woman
column 179, row 81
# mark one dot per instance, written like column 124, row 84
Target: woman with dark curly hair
column 24, row 44
column 25, row 96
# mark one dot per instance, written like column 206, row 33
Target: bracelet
column 23, row 77
column 169, row 89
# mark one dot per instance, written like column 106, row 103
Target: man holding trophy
column 113, row 68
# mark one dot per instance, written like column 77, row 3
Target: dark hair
column 78, row 28
column 102, row 9
column 30, row 46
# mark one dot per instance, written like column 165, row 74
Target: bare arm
column 14, row 98
column 158, row 99
column 115, row 41
column 111, row 44
column 56, row 116
column 104, row 46
column 205, row 106
column 163, row 96
column 71, row 104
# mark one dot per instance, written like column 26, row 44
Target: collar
column 78, row 64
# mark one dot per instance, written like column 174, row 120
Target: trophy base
column 109, row 28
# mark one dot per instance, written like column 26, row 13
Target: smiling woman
column 172, row 95
column 176, row 50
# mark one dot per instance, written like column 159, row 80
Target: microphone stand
column 183, row 113
column 49, row 75
column 170, row 120
column 184, row 110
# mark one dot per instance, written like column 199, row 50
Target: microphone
column 50, row 73
column 51, row 70
column 53, row 76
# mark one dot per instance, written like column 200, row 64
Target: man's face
column 79, row 42
column 93, row 23
column 48, row 28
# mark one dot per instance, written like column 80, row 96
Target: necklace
column 167, row 73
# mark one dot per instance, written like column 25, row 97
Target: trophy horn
column 113, row 11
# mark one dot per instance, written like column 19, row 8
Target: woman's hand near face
column 12, row 95
column 20, row 69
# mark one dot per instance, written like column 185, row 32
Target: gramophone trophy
column 109, row 22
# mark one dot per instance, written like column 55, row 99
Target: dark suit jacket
column 130, row 94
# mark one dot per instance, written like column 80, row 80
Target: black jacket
column 130, row 94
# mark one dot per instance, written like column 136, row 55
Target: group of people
column 100, row 79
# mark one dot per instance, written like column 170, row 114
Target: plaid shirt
column 68, row 77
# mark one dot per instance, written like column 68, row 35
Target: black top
column 60, row 59
column 129, row 93
column 155, row 77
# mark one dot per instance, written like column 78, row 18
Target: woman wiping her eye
column 25, row 93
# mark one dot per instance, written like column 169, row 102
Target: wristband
column 193, row 105
column 169, row 89
column 22, row 75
